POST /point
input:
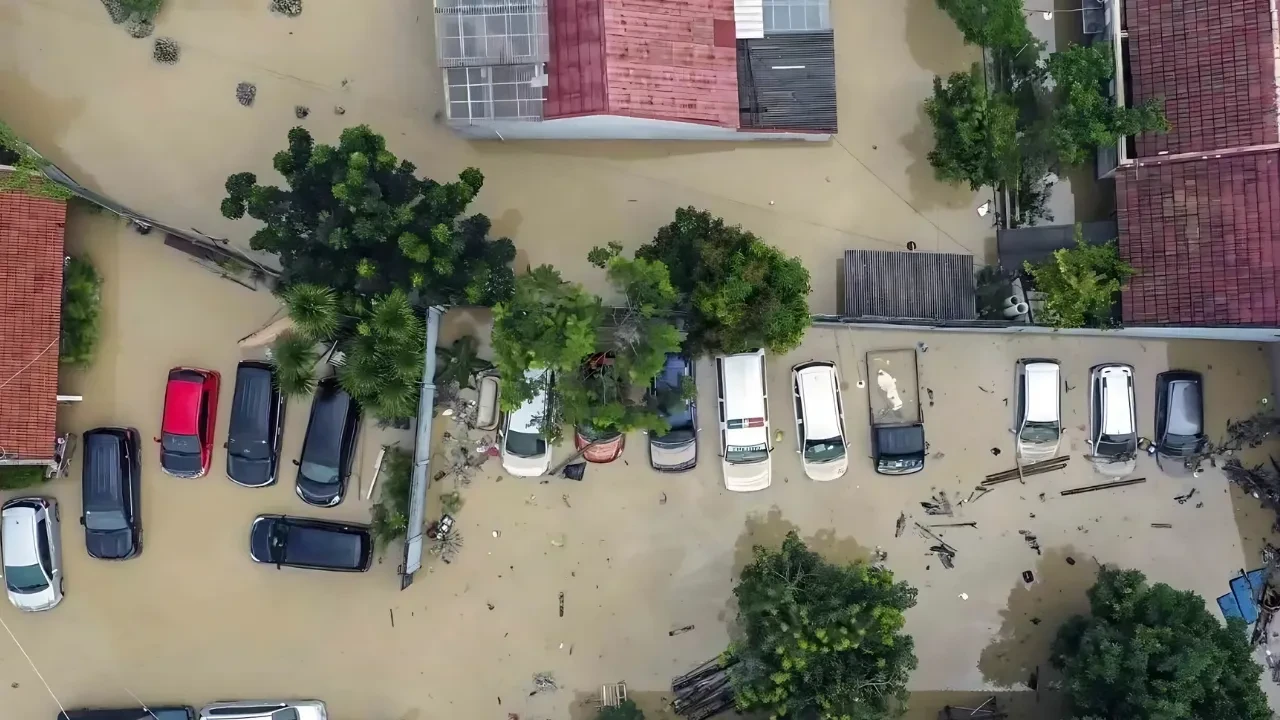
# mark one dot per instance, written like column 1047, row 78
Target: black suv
column 111, row 484
column 257, row 419
column 329, row 446
column 312, row 544
column 174, row 712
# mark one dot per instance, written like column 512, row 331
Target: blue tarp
column 1242, row 601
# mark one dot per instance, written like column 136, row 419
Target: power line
column 31, row 662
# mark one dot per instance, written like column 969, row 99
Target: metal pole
column 421, row 453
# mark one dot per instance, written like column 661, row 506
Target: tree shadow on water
column 1032, row 616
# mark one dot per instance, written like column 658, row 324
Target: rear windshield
column 105, row 520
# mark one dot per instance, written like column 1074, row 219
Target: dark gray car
column 1179, row 418
column 255, row 429
column 329, row 446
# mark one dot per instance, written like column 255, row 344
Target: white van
column 820, row 440
column 1113, row 433
column 525, row 451
column 1039, row 418
column 743, row 403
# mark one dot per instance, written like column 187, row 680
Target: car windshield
column 315, row 472
column 1181, row 443
column 25, row 579
column 525, row 445
column 180, row 444
column 746, row 455
column 279, row 541
column 820, row 451
column 249, row 449
column 675, row 437
column 1115, row 445
column 1039, row 432
column 105, row 520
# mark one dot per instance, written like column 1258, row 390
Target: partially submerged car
column 186, row 428
column 265, row 710
column 153, row 712
column 255, row 427
column 111, row 488
column 311, row 544
column 328, row 449
column 743, row 402
column 1039, row 413
column 676, row 450
column 1113, row 423
column 31, row 551
column 599, row 445
column 525, row 450
column 820, row 438
column 1179, row 418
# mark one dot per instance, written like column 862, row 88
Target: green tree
column 1080, row 284
column 995, row 24
column 460, row 363
column 975, row 134
column 548, row 324
column 313, row 309
column 356, row 219
column 626, row 711
column 390, row 514
column 740, row 292
column 1149, row 652
column 294, row 358
column 820, row 640
column 642, row 330
column 1084, row 118
column 81, row 308
column 382, row 367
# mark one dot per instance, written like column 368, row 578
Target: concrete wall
column 617, row 127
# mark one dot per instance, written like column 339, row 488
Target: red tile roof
column 30, row 319
column 1214, row 64
column 1204, row 238
column 663, row 59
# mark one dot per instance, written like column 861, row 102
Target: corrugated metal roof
column 788, row 82
column 748, row 18
column 908, row 285
column 1037, row 244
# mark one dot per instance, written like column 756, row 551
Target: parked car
column 310, row 544
column 820, row 438
column 1113, row 436
column 31, row 551
column 1039, row 412
column 329, row 446
column 599, row 445
column 264, row 710
column 1179, row 417
column 172, row 712
column 255, row 427
column 525, row 451
column 186, row 428
column 743, row 402
column 111, row 489
column 677, row 449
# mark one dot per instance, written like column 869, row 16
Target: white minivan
column 525, row 450
column 1113, row 423
column 1039, row 413
column 820, row 439
column 743, row 403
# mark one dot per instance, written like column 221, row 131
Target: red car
column 600, row 445
column 186, row 429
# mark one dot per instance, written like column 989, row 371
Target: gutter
column 421, row 453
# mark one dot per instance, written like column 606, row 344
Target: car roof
column 526, row 418
column 323, row 441
column 1042, row 391
column 18, row 536
column 182, row 402
column 743, row 391
column 251, row 404
column 1117, row 411
column 818, row 399
column 101, row 475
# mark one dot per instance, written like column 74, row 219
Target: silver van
column 31, row 548
column 1113, row 422
column 743, row 402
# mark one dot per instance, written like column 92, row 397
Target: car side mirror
column 81, row 519
column 278, row 566
column 295, row 462
column 156, row 439
column 224, row 446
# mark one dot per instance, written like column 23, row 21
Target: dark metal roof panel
column 1037, row 244
column 908, row 285
column 788, row 82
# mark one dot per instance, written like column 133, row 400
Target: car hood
column 252, row 473
column 673, row 457
column 112, row 545
column 747, row 477
column 526, row 466
column 1114, row 468
column 826, row 471
column 1031, row 452
column 319, row 494
column 46, row 599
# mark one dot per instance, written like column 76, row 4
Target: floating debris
column 995, row 451
column 1103, row 486
column 955, row 524
column 1028, row 576
column 1021, row 472
column 141, row 28
column 544, row 682
column 1162, row 526
column 246, row 93
column 301, row 111
column 339, row 110
column 679, row 631
column 561, row 604
column 900, row 525
column 1032, row 541
column 166, row 51
column 1182, row 499
column 939, row 504
column 288, row 8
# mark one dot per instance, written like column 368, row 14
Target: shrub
column 1080, row 284
column 81, row 306
column 975, row 133
column 390, row 514
column 16, row 477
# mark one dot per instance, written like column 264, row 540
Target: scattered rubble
column 288, row 8
column 938, row 505
column 1032, row 541
column 900, row 525
column 1021, row 471
column 544, row 682
column 246, row 93
column 141, row 28
column 339, row 110
column 1103, row 486
column 1162, row 526
column 166, row 51
column 679, row 631
column 301, row 111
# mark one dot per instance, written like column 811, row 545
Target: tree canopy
column 1080, row 284
column 355, row 218
column 1149, row 652
column 741, row 292
column 975, row 133
column 992, row 24
column 1083, row 117
column 819, row 639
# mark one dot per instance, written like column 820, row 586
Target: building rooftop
column 1199, row 208
column 31, row 257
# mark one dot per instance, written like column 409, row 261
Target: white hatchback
column 743, row 403
column 31, row 547
column 525, row 450
column 1113, row 423
column 820, row 437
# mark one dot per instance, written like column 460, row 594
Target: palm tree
column 294, row 358
column 313, row 309
column 460, row 363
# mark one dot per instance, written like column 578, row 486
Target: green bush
column 391, row 512
column 16, row 477
column 1080, row 284
column 143, row 9
column 81, row 305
